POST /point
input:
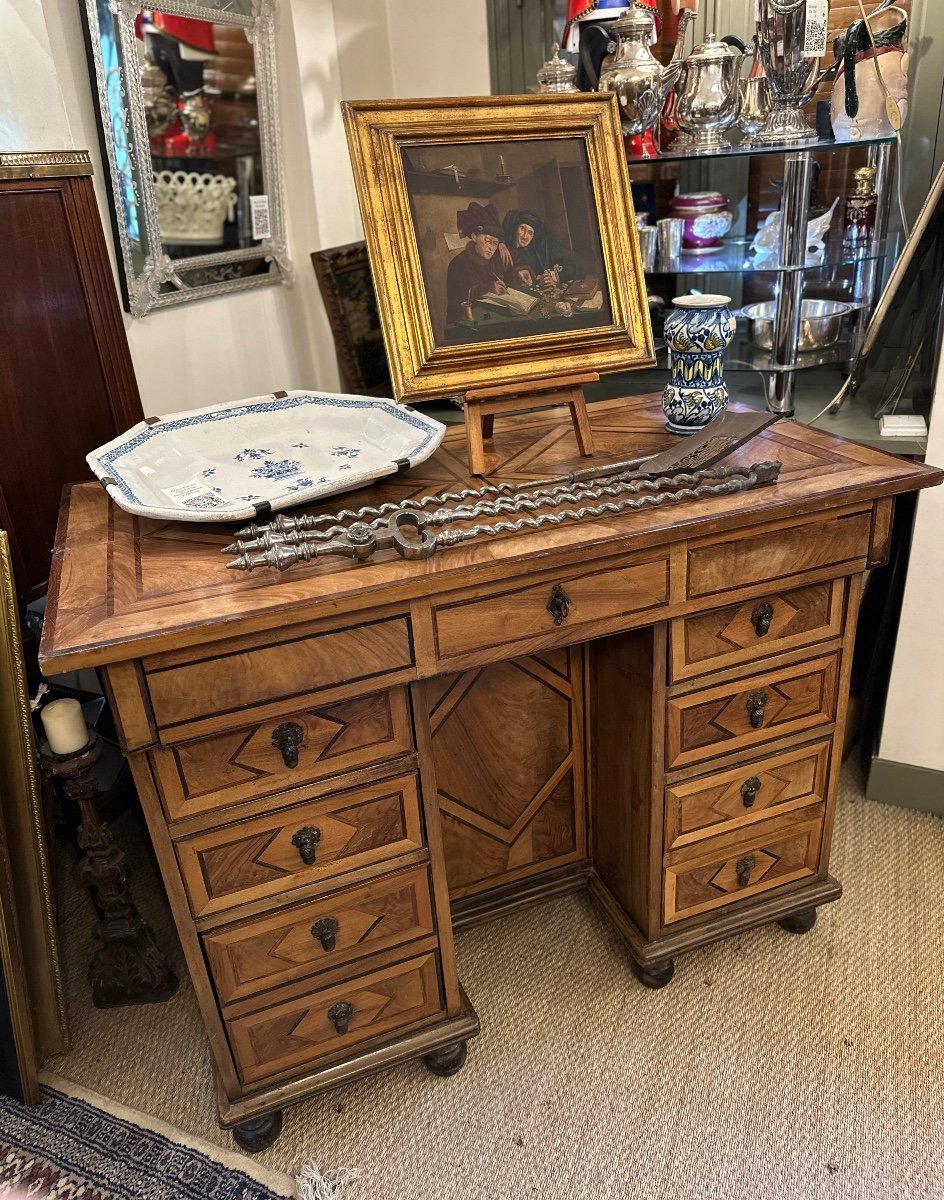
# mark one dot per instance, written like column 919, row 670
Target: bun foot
column 258, row 1133
column 656, row 975
column 447, row 1060
column 799, row 922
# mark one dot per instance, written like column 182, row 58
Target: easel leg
column 578, row 412
column 473, row 437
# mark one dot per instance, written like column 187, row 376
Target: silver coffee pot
column 632, row 71
column 710, row 99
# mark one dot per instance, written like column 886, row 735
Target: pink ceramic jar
column 707, row 219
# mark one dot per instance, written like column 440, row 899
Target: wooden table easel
column 482, row 405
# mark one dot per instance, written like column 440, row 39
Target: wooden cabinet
column 336, row 764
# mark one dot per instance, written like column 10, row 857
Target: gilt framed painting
column 499, row 235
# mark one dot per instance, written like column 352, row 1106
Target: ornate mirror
column 188, row 119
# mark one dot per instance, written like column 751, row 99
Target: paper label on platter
column 817, row 25
column 259, row 208
column 194, row 494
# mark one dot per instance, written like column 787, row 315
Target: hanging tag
column 817, row 25
column 259, row 208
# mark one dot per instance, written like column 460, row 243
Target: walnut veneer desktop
column 673, row 742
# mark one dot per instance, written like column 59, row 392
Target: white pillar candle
column 65, row 726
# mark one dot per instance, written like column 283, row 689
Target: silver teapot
column 710, row 99
column 632, row 71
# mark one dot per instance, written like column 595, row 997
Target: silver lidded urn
column 557, row 75
column 792, row 77
column 710, row 99
column 632, row 71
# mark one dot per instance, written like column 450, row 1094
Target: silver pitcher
column 793, row 79
column 710, row 99
column 632, row 71
column 755, row 97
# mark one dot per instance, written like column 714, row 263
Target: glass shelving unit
column 791, row 267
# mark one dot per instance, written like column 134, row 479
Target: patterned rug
column 78, row 1146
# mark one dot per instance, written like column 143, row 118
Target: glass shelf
column 735, row 258
column 743, row 355
column 748, row 149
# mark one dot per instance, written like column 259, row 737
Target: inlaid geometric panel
column 278, row 947
column 719, row 719
column 266, row 855
column 696, row 808
column 302, row 1031
column 789, row 852
column 508, row 769
column 224, row 768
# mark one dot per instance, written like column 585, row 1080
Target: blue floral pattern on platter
column 696, row 338
column 224, row 462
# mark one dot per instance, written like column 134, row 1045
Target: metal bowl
column 820, row 323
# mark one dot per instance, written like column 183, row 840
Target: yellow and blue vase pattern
column 696, row 332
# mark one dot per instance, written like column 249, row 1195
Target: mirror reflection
column 198, row 82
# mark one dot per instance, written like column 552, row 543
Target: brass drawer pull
column 287, row 738
column 340, row 1016
column 559, row 604
column 761, row 617
column 305, row 842
column 756, row 706
column 744, row 867
column 749, row 789
column 326, row 932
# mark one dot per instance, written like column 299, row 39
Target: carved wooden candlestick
column 128, row 967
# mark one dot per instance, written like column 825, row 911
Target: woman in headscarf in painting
column 536, row 252
column 479, row 268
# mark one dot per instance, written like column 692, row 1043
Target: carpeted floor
column 801, row 1067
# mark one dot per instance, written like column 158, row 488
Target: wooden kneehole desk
column 340, row 764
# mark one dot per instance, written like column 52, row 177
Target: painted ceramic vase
column 696, row 332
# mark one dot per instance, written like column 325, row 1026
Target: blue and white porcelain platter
column 222, row 463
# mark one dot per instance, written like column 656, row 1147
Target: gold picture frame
column 445, row 178
column 29, row 946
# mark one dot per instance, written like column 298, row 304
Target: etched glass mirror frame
column 151, row 277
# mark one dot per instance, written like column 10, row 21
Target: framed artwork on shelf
column 499, row 238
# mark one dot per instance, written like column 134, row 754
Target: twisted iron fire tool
column 405, row 530
column 718, row 439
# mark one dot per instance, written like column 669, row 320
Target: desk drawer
column 727, row 800
column 275, row 670
column 222, row 769
column 759, row 627
column 266, row 856
column 729, row 870
column 304, row 1031
column 751, row 711
column 590, row 601
column 305, row 939
column 840, row 542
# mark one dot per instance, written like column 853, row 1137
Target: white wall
column 913, row 730
column 222, row 349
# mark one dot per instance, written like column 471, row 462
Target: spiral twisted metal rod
column 361, row 540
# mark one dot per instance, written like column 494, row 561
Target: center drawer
column 282, row 752
column 305, row 939
column 595, row 600
column 736, row 715
column 314, row 840
column 331, row 1023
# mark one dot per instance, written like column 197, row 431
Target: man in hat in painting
column 479, row 268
